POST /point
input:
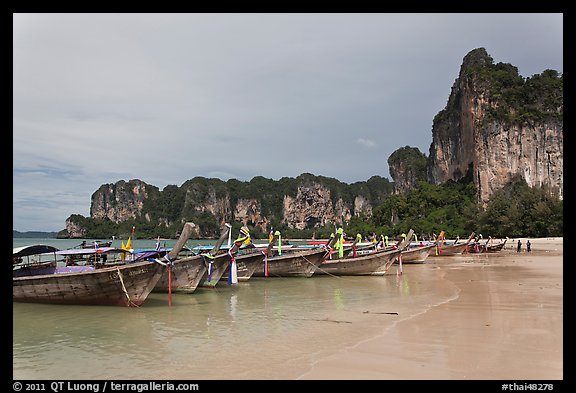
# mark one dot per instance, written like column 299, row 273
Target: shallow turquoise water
column 265, row 328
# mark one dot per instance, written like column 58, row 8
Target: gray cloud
column 99, row 98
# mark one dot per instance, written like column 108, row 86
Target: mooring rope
column 130, row 302
column 318, row 267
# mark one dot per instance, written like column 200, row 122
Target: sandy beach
column 472, row 317
column 506, row 323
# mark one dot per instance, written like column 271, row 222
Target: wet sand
column 505, row 324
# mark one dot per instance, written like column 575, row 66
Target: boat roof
column 89, row 251
column 33, row 249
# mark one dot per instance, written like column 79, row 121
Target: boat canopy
column 91, row 251
column 33, row 249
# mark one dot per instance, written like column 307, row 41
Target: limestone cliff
column 310, row 208
column 74, row 230
column 305, row 202
column 120, row 201
column 501, row 126
column 407, row 166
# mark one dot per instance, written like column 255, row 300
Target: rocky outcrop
column 310, row 208
column 303, row 203
column 207, row 201
column 74, row 230
column 500, row 126
column 362, row 206
column 249, row 213
column 407, row 166
column 120, row 201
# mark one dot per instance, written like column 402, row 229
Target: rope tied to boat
column 168, row 262
column 130, row 302
column 318, row 267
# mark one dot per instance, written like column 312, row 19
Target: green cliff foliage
column 410, row 158
column 512, row 99
column 168, row 209
column 516, row 210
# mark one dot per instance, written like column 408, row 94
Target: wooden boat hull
column 246, row 265
column 417, row 254
column 219, row 266
column 292, row 264
column 122, row 285
column 186, row 275
column 372, row 264
column 486, row 248
column 476, row 247
column 452, row 249
column 495, row 247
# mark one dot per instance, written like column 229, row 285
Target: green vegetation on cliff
column 516, row 210
column 408, row 159
column 512, row 99
column 207, row 201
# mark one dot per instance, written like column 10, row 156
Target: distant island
column 34, row 235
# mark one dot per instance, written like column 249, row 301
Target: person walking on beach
column 519, row 246
column 528, row 245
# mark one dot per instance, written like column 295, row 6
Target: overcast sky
column 99, row 98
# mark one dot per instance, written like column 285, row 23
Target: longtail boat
column 489, row 246
column 185, row 275
column 44, row 281
column 291, row 264
column 375, row 263
column 454, row 248
column 496, row 247
column 216, row 266
column 246, row 265
column 189, row 272
column 95, row 244
column 417, row 254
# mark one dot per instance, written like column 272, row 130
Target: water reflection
column 261, row 326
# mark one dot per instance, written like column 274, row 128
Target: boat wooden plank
column 375, row 263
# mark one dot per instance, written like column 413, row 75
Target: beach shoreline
column 505, row 324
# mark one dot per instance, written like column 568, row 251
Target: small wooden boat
column 95, row 244
column 45, row 279
column 417, row 254
column 375, row 263
column 246, row 265
column 496, row 247
column 292, row 264
column 489, row 246
column 216, row 267
column 185, row 275
column 454, row 248
column 189, row 272
column 46, row 282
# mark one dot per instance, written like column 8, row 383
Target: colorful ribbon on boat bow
column 210, row 261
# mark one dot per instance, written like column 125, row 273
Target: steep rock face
column 74, row 230
column 120, row 201
column 249, row 212
column 537, row 156
column 407, row 166
column 311, row 208
column 483, row 128
column 304, row 203
column 212, row 203
column 362, row 206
